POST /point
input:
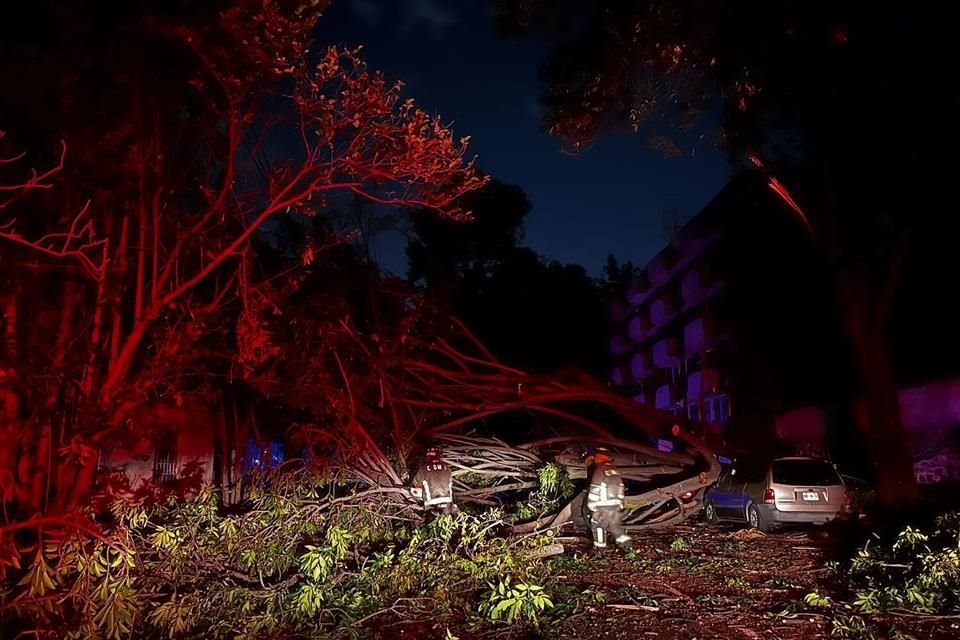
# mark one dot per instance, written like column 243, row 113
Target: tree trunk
column 887, row 440
column 84, row 480
column 9, row 398
column 886, row 436
column 40, row 467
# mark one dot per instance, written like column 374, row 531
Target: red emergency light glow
column 777, row 187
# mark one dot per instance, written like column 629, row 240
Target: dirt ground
column 701, row 581
column 695, row 582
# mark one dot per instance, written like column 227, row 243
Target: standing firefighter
column 603, row 507
column 433, row 484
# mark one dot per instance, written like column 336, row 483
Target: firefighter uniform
column 433, row 483
column 603, row 507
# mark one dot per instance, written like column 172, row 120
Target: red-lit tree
column 152, row 266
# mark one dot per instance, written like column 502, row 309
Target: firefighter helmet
column 597, row 456
column 601, row 455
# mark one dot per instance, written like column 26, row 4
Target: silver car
column 784, row 491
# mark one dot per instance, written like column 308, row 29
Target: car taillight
column 768, row 496
column 687, row 497
column 847, row 502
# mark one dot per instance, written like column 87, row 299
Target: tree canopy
column 533, row 312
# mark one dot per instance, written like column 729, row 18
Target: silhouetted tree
column 616, row 278
column 444, row 252
column 532, row 312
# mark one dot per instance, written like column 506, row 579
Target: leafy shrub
column 553, row 490
column 918, row 572
column 515, row 601
column 679, row 544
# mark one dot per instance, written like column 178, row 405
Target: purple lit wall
column 931, row 415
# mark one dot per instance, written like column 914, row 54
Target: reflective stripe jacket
column 433, row 484
column 606, row 488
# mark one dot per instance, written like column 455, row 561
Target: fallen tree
column 377, row 392
column 667, row 491
column 335, row 543
column 315, row 550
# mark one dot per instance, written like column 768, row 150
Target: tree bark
column 9, row 398
column 40, row 467
column 886, row 437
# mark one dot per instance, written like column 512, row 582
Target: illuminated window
column 165, row 459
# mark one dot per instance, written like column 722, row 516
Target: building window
column 693, row 412
column 165, row 459
column 717, row 409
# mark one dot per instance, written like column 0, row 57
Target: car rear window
column 812, row 472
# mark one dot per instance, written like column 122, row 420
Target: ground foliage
column 310, row 555
column 707, row 581
column 914, row 575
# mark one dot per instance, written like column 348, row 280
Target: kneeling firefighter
column 433, row 483
column 603, row 506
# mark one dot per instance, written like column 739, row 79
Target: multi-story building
column 732, row 320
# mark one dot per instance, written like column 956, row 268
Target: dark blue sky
column 608, row 199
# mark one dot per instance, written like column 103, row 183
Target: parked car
column 767, row 495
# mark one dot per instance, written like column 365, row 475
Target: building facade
column 729, row 322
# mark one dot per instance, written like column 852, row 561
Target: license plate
column 812, row 496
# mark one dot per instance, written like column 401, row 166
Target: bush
column 515, row 602
column 554, row 489
column 917, row 573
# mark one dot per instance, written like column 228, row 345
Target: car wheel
column 755, row 520
column 710, row 513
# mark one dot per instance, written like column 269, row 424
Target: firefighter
column 433, row 484
column 603, row 506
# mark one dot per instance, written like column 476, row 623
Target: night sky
column 609, row 199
